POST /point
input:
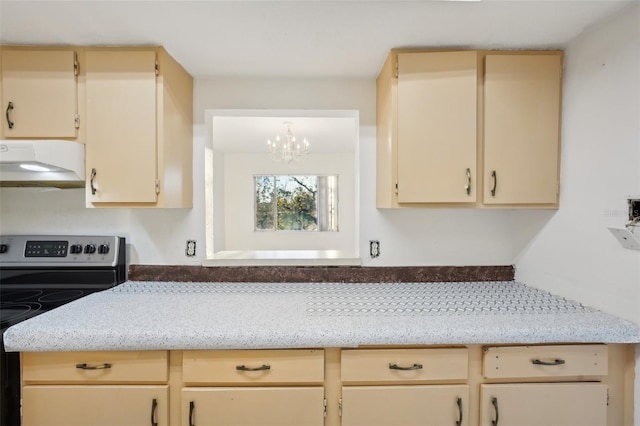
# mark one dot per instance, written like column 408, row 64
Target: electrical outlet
column 634, row 209
column 374, row 248
column 190, row 251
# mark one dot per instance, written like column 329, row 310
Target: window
column 296, row 203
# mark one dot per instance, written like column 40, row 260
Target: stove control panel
column 51, row 250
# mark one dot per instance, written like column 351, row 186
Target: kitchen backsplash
column 346, row 274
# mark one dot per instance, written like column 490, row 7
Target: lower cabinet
column 254, row 406
column 536, row 404
column 473, row 385
column 430, row 405
column 96, row 405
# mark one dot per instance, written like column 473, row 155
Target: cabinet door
column 121, row 126
column 437, row 405
column 544, row 404
column 94, row 405
column 437, row 104
column 255, row 406
column 522, row 128
column 39, row 96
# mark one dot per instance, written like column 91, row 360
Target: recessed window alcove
column 236, row 152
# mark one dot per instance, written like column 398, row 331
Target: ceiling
column 289, row 38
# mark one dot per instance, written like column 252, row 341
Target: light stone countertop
column 139, row 315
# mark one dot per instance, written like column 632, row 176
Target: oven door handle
column 93, row 367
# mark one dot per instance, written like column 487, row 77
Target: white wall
column 575, row 255
column 240, row 168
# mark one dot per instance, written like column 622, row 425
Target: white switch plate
column 626, row 238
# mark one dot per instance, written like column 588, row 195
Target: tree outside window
column 296, row 203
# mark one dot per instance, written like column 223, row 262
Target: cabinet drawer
column 100, row 367
column 254, row 366
column 545, row 361
column 404, row 365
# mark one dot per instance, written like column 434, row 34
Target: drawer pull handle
column 154, row 406
column 398, row 367
column 459, row 402
column 93, row 367
column 554, row 362
column 192, row 406
column 245, row 368
column 494, row 401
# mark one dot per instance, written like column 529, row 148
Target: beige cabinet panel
column 403, row 365
column 39, row 93
column 255, row 406
column 254, row 366
column 522, row 128
column 545, row 361
column 94, row 405
column 420, row 405
column 121, row 152
column 544, row 404
column 95, row 367
column 436, row 133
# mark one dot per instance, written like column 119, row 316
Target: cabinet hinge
column 607, row 397
column 396, row 69
column 157, row 67
column 76, row 64
column 157, row 186
column 396, row 188
column 340, row 407
column 324, row 407
column 77, row 120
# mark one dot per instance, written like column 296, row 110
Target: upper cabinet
column 139, row 129
column 522, row 128
column 39, row 93
column 453, row 124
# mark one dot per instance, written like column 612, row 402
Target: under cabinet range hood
column 42, row 163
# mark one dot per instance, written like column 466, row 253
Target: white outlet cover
column 626, row 238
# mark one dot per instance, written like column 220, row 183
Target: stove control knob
column 90, row 249
column 75, row 248
column 103, row 249
column 4, row 248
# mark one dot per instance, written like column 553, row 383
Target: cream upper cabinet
column 436, row 134
column 522, row 128
column 139, row 129
column 39, row 93
column 454, row 124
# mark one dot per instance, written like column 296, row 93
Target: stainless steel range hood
column 42, row 163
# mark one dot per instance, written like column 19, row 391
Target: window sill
column 283, row 258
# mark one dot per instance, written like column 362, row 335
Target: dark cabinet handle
column 91, row 182
column 554, row 362
column 494, row 401
column 245, row 368
column 154, row 406
column 8, row 115
column 93, row 367
column 398, row 367
column 494, row 175
column 192, row 406
column 467, row 187
column 459, row 402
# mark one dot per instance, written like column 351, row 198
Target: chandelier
column 287, row 149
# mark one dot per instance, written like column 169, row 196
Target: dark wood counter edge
column 346, row 274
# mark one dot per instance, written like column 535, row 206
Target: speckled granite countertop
column 140, row 315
